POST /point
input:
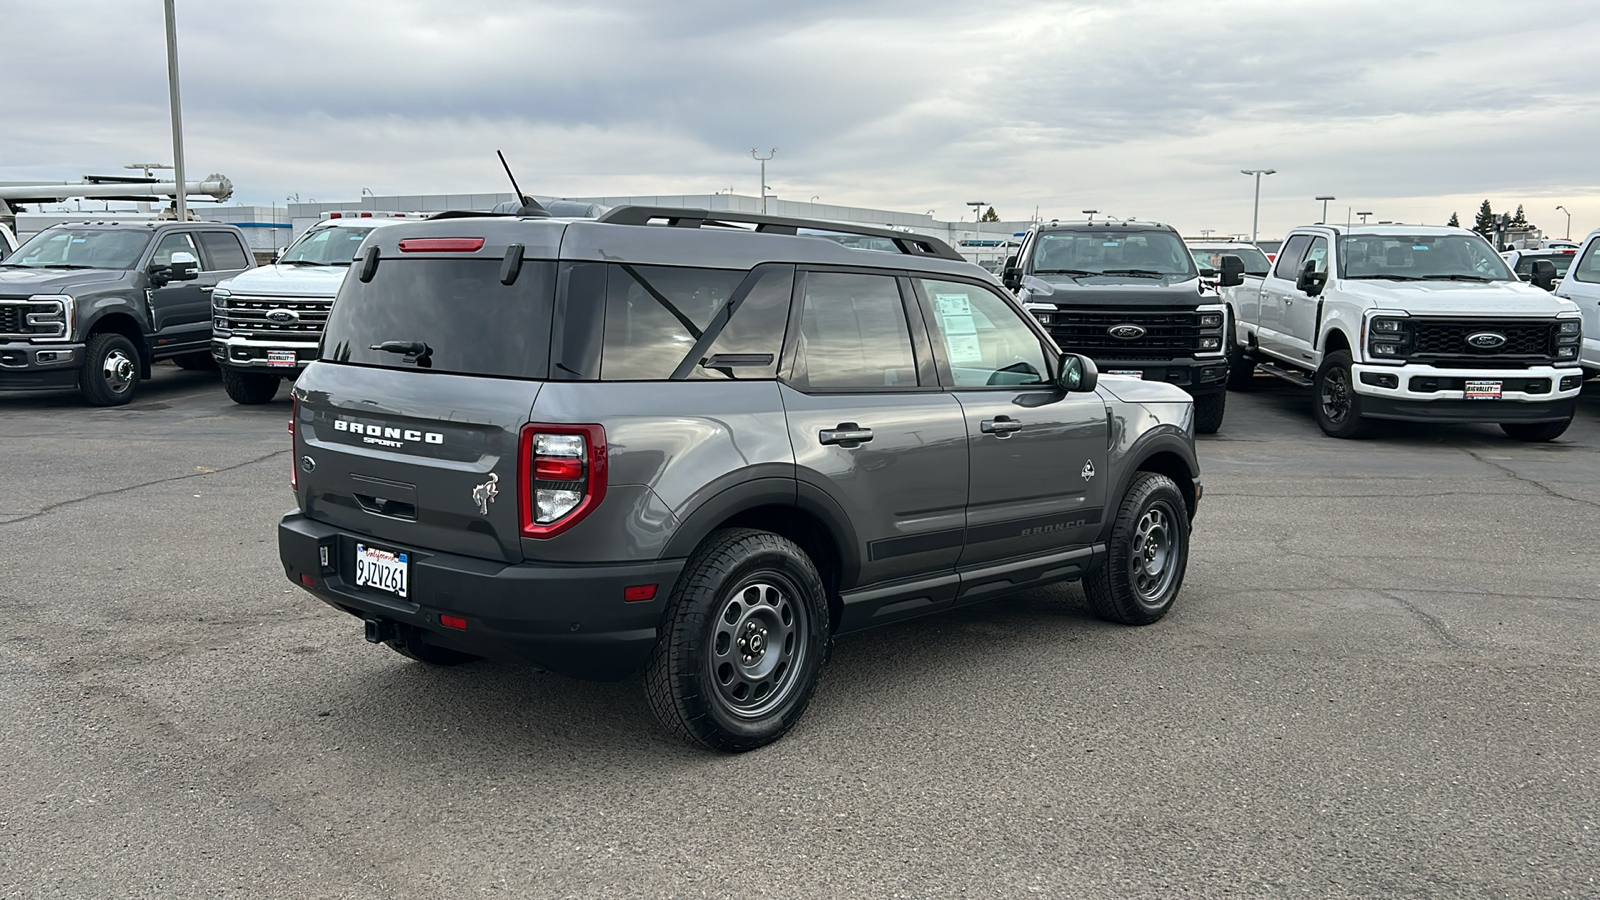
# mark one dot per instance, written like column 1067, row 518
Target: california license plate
column 1483, row 390
column 1131, row 373
column 281, row 358
column 386, row 570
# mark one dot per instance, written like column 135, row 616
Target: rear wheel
column 196, row 362
column 1208, row 412
column 1535, row 431
column 743, row 642
column 110, row 374
column 1241, row 370
column 1335, row 401
column 1147, row 556
column 249, row 388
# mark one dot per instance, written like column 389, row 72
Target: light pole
column 1363, row 216
column 1255, row 219
column 1206, row 233
column 977, row 206
column 1325, row 200
column 763, row 161
column 1569, row 221
column 1090, row 213
column 177, row 111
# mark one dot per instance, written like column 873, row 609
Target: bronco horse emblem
column 484, row 494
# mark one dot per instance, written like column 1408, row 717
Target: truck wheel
column 743, row 641
column 1208, row 412
column 1241, row 370
column 110, row 374
column 249, row 388
column 196, row 362
column 1334, row 398
column 1147, row 557
column 1536, row 431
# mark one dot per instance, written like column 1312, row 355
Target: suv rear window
column 470, row 323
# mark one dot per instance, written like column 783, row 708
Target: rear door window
column 656, row 314
column 224, row 249
column 454, row 314
column 853, row 335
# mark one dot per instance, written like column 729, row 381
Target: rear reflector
column 308, row 581
column 441, row 245
column 639, row 592
column 548, row 468
column 455, row 622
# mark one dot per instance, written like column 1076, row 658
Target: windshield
column 1425, row 257
column 1255, row 262
column 81, row 248
column 326, row 246
column 1114, row 251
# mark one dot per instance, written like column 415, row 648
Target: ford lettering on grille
column 1126, row 331
column 1486, row 340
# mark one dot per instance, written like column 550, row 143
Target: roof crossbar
column 681, row 217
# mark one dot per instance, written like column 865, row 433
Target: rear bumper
column 570, row 619
column 39, row 367
column 243, row 353
column 1197, row 376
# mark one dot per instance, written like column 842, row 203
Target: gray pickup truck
column 93, row 305
column 701, row 444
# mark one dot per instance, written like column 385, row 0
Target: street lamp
column 763, row 161
column 1569, row 220
column 977, row 206
column 1255, row 219
column 1090, row 213
column 1325, row 200
column 1363, row 216
column 177, row 112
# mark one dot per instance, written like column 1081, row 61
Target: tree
column 1455, row 221
column 1484, row 223
column 1519, row 218
column 990, row 216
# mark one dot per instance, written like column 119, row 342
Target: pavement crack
column 143, row 484
column 1526, row 480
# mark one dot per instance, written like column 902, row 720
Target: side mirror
column 1010, row 275
column 1077, row 374
column 1207, row 273
column 184, row 267
column 1311, row 281
column 278, row 254
column 1232, row 271
column 1544, row 274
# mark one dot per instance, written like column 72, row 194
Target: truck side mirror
column 1010, row 275
column 184, row 267
column 1543, row 274
column 1311, row 281
column 1232, row 268
column 1077, row 373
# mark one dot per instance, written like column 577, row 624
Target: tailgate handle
column 383, row 506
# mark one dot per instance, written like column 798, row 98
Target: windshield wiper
column 49, row 266
column 1457, row 278
column 302, row 262
column 1064, row 272
column 1383, row 278
column 1138, row 273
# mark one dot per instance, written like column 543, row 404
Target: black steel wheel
column 1334, row 399
column 110, row 375
column 1241, row 368
column 1147, row 557
column 743, row 642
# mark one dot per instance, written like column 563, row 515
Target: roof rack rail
column 681, row 217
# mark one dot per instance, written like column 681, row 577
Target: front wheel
column 1208, row 412
column 1241, row 369
column 249, row 388
column 111, row 370
column 1335, row 401
column 742, row 643
column 1147, row 557
column 1535, row 431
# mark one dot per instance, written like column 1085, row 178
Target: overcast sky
column 1149, row 109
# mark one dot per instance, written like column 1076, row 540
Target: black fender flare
column 1167, row 439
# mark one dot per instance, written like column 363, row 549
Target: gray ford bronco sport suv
column 702, row 444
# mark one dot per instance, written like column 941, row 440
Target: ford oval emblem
column 283, row 316
column 1126, row 332
column 1486, row 340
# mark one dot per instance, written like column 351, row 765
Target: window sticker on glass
column 1420, row 247
column 952, row 304
column 960, row 331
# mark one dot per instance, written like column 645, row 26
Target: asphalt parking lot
column 1380, row 680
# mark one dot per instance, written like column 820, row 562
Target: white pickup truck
column 8, row 242
column 1581, row 285
column 1411, row 322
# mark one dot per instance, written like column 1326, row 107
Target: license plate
column 386, row 570
column 1483, row 390
column 1131, row 373
column 281, row 358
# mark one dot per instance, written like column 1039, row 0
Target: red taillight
column 561, row 476
column 294, row 466
column 638, row 593
column 455, row 622
column 441, row 245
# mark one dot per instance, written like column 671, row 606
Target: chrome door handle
column 206, row 289
column 1000, row 426
column 845, row 434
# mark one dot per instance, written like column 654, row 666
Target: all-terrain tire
column 743, row 641
column 1241, row 369
column 1208, row 409
column 1334, row 400
column 249, row 388
column 1147, row 556
column 196, row 362
column 110, row 375
column 1535, row 431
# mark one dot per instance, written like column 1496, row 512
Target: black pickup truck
column 93, row 305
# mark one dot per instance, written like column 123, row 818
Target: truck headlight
column 1210, row 343
column 1211, row 320
column 1388, row 338
column 219, row 297
column 1571, row 328
column 51, row 317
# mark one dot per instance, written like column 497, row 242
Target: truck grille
column 12, row 319
column 273, row 318
column 1167, row 333
column 1444, row 341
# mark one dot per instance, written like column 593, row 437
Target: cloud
column 1148, row 107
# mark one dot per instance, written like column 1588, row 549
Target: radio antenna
column 521, row 197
